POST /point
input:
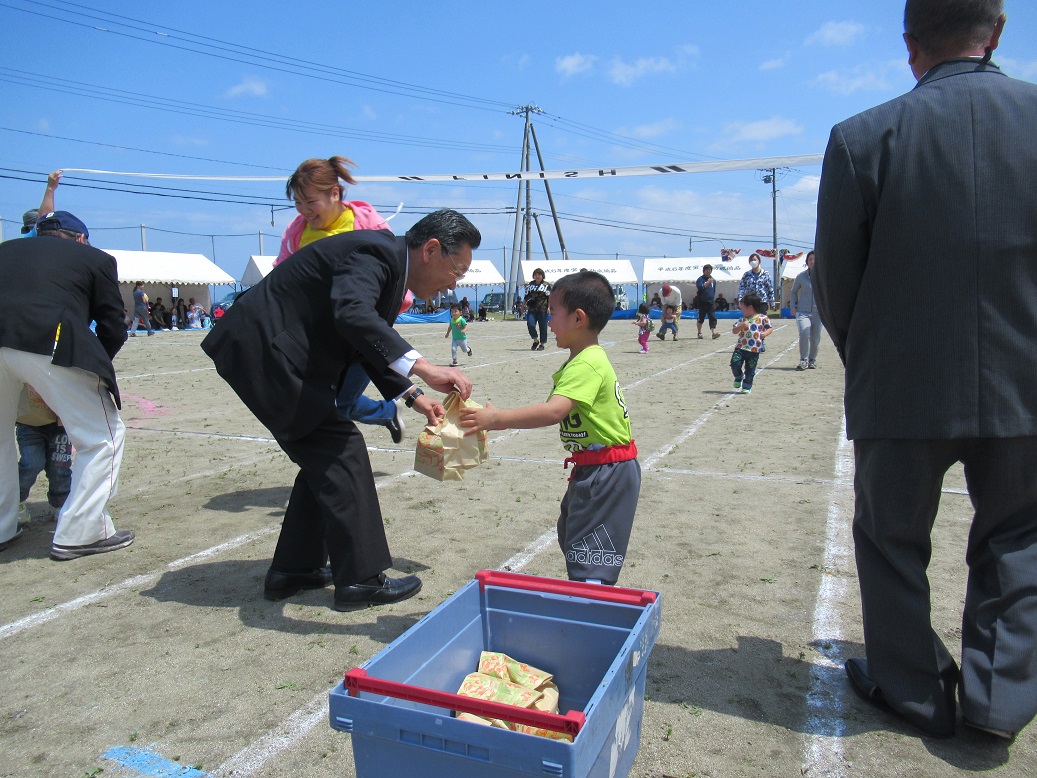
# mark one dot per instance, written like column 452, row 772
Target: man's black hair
column 451, row 229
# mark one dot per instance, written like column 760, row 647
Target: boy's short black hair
column 752, row 300
column 590, row 291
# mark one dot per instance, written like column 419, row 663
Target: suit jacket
column 50, row 281
column 926, row 258
column 285, row 343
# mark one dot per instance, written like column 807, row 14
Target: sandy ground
column 169, row 647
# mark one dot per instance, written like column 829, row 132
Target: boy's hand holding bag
column 444, row 452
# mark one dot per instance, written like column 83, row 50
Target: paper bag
column 443, row 451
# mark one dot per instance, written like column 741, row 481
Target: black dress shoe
column 386, row 591
column 869, row 691
column 280, row 585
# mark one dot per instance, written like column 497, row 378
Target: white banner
column 719, row 166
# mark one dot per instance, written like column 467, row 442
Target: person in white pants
column 54, row 286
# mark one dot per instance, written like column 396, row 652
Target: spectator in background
column 808, row 319
column 756, row 281
column 707, row 286
column 159, row 314
column 538, row 292
column 722, row 304
column 140, row 310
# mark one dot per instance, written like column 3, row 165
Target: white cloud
column 574, row 64
column 654, row 129
column 860, row 79
column 625, row 73
column 43, row 125
column 369, row 113
column 250, row 86
column 760, row 131
column 773, row 64
column 1017, row 68
column 837, row 34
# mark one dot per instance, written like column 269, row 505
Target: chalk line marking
column 249, row 760
column 147, row 579
column 696, row 425
column 826, row 700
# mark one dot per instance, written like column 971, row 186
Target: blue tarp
column 443, row 317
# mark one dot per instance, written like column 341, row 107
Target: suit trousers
column 88, row 413
column 333, row 510
column 898, row 485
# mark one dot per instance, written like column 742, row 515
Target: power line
column 250, row 55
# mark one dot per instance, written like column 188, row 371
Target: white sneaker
column 24, row 517
column 802, row 365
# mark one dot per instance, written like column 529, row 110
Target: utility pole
column 143, row 239
column 772, row 179
column 260, row 243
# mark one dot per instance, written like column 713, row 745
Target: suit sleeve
column 362, row 284
column 842, row 241
column 106, row 306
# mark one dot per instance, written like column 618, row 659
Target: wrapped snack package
column 503, row 679
column 444, row 452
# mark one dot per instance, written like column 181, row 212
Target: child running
column 598, row 508
column 644, row 321
column 459, row 329
column 751, row 330
column 669, row 322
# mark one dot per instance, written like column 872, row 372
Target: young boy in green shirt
column 597, row 512
column 459, row 329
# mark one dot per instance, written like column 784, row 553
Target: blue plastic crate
column 594, row 639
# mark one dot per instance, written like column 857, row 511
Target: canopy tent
column 683, row 273
column 167, row 275
column 619, row 272
column 257, row 269
column 482, row 272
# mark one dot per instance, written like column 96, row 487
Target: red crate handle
column 357, row 680
column 534, row 583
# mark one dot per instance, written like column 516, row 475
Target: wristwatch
column 413, row 396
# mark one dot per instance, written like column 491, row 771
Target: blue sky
column 411, row 88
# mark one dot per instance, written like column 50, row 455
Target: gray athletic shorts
column 596, row 518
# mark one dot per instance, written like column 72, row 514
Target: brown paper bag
column 443, row 451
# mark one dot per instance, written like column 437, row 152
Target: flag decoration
column 726, row 255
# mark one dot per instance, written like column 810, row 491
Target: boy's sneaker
column 802, row 365
column 454, row 363
column 813, row 364
column 540, row 347
column 738, row 385
column 396, row 424
column 120, row 539
column 469, row 351
column 535, row 344
column 24, row 517
column 661, row 335
column 746, row 389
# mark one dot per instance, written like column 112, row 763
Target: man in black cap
column 54, row 286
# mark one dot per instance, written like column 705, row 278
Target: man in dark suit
column 926, row 277
column 53, row 286
column 284, row 347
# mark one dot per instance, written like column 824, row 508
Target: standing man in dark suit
column 921, row 199
column 53, row 286
column 284, row 347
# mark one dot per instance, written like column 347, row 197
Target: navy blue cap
column 61, row 220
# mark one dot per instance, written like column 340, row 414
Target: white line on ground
column 826, row 703
column 252, row 757
column 652, row 460
column 146, row 579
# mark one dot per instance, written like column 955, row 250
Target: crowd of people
column 909, row 184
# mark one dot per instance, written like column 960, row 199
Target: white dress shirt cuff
column 405, row 364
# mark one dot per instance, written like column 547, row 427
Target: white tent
column 683, row 273
column 168, row 275
column 482, row 272
column 257, row 269
column 619, row 272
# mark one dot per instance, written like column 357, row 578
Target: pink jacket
column 365, row 217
